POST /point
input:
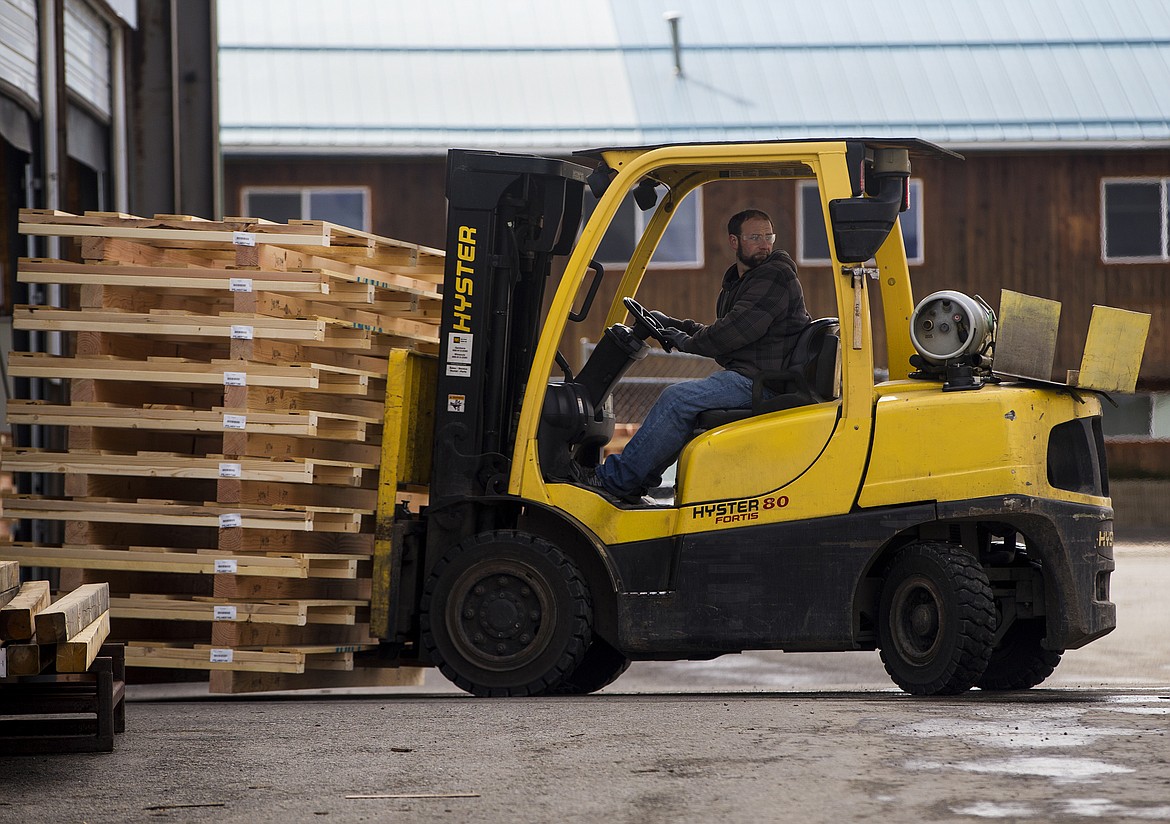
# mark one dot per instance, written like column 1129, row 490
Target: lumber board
column 293, row 470
column 202, row 561
column 309, row 423
column 200, row 657
column 245, row 682
column 206, row 657
column 51, row 319
column 7, row 595
column 292, row 613
column 235, row 634
column 263, row 589
column 17, row 616
column 167, row 237
column 9, row 574
column 68, row 616
column 44, row 270
column 166, row 370
column 32, row 658
column 78, row 653
column 175, row 513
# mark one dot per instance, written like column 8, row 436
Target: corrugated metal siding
column 18, row 49
column 87, row 56
column 362, row 75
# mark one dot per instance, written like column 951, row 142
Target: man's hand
column 688, row 326
column 665, row 320
column 672, row 338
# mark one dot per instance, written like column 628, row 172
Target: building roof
column 371, row 77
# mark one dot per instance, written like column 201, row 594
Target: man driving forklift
column 759, row 314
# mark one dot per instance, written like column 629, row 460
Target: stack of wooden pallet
column 227, row 385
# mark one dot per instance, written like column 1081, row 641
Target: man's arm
column 760, row 302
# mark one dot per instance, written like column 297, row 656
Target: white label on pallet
column 243, row 238
column 230, row 520
column 226, row 565
column 223, row 613
column 235, row 378
column 231, row 470
column 240, row 332
column 222, row 656
column 235, row 421
column 240, row 284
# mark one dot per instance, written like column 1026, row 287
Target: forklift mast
column 507, row 216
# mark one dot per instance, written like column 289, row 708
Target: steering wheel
column 645, row 324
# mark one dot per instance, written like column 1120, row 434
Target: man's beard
column 754, row 261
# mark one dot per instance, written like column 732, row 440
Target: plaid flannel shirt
column 758, row 318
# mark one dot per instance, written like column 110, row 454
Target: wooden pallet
column 227, row 387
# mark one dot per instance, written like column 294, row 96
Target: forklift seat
column 812, row 376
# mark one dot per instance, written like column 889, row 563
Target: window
column 345, row 206
column 1133, row 220
column 812, row 243
column 1142, row 416
column 681, row 246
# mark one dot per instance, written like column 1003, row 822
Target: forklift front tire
column 506, row 613
column 937, row 620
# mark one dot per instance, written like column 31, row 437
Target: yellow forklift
column 953, row 517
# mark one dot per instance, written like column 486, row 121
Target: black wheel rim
column 917, row 619
column 502, row 614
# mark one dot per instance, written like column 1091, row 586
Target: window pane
column 680, row 241
column 618, row 244
column 1133, row 220
column 344, row 208
column 1131, row 417
column 814, row 243
column 279, row 207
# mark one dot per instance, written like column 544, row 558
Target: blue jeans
column 668, row 427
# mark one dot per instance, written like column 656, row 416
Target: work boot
column 588, row 478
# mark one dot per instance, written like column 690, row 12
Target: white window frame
column 305, row 193
column 1164, row 185
column 642, row 218
column 917, row 198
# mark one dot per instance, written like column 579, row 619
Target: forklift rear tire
column 506, row 613
column 601, row 666
column 1019, row 662
column 937, row 620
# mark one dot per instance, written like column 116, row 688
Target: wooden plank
column 17, row 617
column 51, row 319
column 146, row 654
column 79, row 652
column 75, row 611
column 32, row 270
column 29, row 659
column 169, row 370
column 243, row 682
column 240, row 635
column 293, row 470
column 167, row 237
column 291, row 613
column 9, row 575
column 332, row 426
column 174, row 513
column 204, row 561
